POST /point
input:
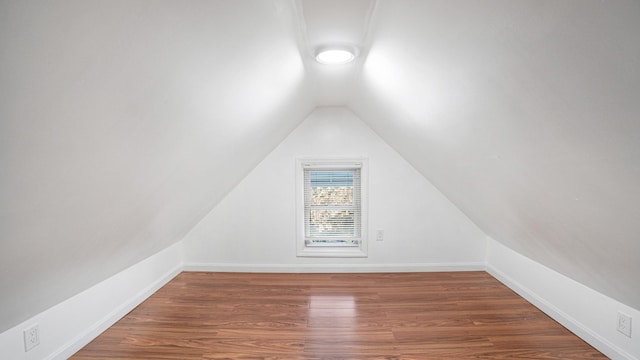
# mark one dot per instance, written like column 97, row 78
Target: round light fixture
column 335, row 55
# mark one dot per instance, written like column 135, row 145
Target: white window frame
column 303, row 250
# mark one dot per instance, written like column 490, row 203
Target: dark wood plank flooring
column 454, row 315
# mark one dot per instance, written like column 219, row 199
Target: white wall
column 586, row 312
column 253, row 228
column 68, row 326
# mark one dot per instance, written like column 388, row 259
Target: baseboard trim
column 575, row 326
column 80, row 341
column 554, row 312
column 333, row 268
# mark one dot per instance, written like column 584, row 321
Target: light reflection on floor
column 332, row 311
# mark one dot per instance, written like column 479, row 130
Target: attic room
column 143, row 143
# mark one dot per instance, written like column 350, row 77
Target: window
column 331, row 207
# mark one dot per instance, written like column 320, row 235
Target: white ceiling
column 331, row 22
column 526, row 116
column 123, row 122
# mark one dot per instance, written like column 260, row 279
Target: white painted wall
column 586, row 312
column 253, row 228
column 68, row 326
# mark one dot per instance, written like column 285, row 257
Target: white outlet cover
column 31, row 337
column 624, row 324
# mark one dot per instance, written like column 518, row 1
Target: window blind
column 332, row 205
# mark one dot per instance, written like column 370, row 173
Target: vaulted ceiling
column 123, row 122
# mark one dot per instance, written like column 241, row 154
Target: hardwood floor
column 452, row 315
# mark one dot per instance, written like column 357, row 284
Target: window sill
column 332, row 251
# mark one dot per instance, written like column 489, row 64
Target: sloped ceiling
column 526, row 115
column 123, row 122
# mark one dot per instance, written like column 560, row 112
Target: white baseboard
column 68, row 326
column 72, row 324
column 332, row 268
column 585, row 312
column 84, row 338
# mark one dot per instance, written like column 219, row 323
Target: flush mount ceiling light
column 335, row 55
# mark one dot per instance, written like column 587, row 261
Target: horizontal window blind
column 332, row 205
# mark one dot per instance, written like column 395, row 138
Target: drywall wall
column 73, row 323
column 253, row 228
column 588, row 313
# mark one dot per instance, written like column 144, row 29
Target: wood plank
column 452, row 315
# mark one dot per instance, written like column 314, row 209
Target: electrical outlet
column 624, row 324
column 31, row 337
column 379, row 235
